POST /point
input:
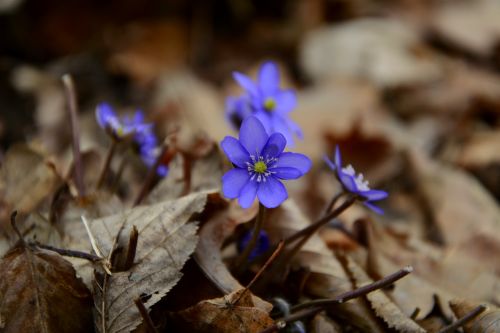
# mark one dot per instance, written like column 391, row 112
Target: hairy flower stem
column 332, row 202
column 69, row 88
column 307, row 232
column 148, row 182
column 107, row 163
column 312, row 308
column 241, row 262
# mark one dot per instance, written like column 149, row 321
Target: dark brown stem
column 132, row 248
column 311, row 308
column 68, row 253
column 242, row 261
column 16, row 230
column 107, row 163
column 145, row 315
column 333, row 202
column 146, row 186
column 69, row 88
column 308, row 231
column 116, row 181
column 465, row 319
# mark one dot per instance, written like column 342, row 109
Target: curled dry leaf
column 165, row 243
column 26, row 179
column 40, row 292
column 383, row 306
column 486, row 322
column 208, row 252
column 232, row 313
column 326, row 277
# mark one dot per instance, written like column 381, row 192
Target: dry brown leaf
column 384, row 51
column 472, row 26
column 225, row 315
column 486, row 322
column 41, row 293
column 461, row 207
column 205, row 174
column 165, row 243
column 25, row 179
column 383, row 306
column 322, row 324
column 326, row 277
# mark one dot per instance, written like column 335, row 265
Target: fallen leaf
column 26, row 179
column 235, row 312
column 41, row 293
column 165, row 243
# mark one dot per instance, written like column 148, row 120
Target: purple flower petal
column 104, row 114
column 286, row 101
column 266, row 119
column 280, row 126
column 246, row 83
column 294, row 160
column 338, row 158
column 233, row 182
column 253, row 136
column 235, row 151
column 330, row 164
column 373, row 195
column 274, row 146
column 348, row 182
column 286, row 173
column 248, row 193
column 272, row 192
column 269, row 77
column 376, row 209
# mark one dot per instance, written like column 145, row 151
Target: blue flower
column 262, row 246
column 237, row 109
column 355, row 184
column 260, row 163
column 269, row 102
column 108, row 120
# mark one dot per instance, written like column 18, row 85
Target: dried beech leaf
column 205, row 175
column 461, row 207
column 390, row 313
column 25, row 179
column 165, row 243
column 486, row 322
column 221, row 315
column 322, row 324
column 208, row 252
column 326, row 276
column 40, row 292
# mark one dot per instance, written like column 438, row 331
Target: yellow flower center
column 269, row 104
column 260, row 167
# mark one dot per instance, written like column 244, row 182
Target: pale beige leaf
column 165, row 243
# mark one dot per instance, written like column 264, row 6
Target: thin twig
column 342, row 298
column 68, row 253
column 145, row 315
column 262, row 269
column 308, row 309
column 69, row 88
column 465, row 319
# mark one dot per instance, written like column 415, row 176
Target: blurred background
column 377, row 76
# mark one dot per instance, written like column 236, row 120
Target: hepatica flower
column 355, row 183
column 142, row 134
column 259, row 165
column 261, row 247
column 268, row 102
